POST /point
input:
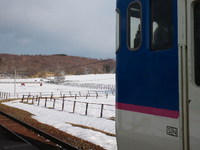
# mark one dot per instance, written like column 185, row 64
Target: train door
column 193, row 42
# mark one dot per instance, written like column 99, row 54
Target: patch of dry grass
column 91, row 128
column 8, row 100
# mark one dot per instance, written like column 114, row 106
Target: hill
column 48, row 65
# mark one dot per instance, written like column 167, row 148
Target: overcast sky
column 73, row 27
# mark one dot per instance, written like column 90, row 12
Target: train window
column 134, row 26
column 161, row 24
column 117, row 29
column 197, row 42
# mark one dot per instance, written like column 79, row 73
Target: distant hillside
column 48, row 65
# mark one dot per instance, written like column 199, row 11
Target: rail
column 41, row 133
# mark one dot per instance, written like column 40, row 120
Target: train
column 158, row 74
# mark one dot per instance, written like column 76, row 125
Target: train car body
column 158, row 74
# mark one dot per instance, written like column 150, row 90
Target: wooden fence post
column 54, row 100
column 32, row 99
column 101, row 111
column 27, row 98
column 86, row 109
column 22, row 98
column 45, row 104
column 97, row 95
column 38, row 101
column 51, row 96
column 74, row 106
column 63, row 103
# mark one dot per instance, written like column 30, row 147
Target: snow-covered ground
column 85, row 95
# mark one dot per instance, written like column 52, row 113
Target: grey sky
column 74, row 27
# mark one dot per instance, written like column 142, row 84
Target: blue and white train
column 158, row 74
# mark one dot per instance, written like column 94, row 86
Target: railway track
column 21, row 135
column 12, row 141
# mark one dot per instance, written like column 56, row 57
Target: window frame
column 196, row 65
column 128, row 26
column 118, row 30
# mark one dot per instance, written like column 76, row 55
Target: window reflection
column 134, row 26
column 162, row 26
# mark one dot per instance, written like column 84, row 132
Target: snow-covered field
column 100, row 92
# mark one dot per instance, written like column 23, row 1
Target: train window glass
column 197, row 42
column 134, row 26
column 161, row 24
column 117, row 29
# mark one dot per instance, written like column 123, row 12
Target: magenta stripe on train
column 148, row 110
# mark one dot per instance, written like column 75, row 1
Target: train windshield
column 134, row 26
column 197, row 42
column 161, row 23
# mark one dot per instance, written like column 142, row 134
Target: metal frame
column 128, row 23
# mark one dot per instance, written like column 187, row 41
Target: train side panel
column 147, row 101
column 138, row 131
